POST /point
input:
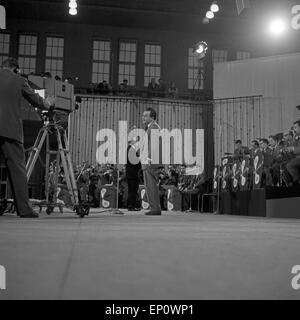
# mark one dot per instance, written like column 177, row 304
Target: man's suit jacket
column 12, row 88
column 157, row 150
column 296, row 144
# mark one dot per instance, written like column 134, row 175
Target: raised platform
column 268, row 202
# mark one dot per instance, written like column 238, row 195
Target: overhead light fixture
column 73, row 7
column 73, row 12
column 210, row 15
column 214, row 7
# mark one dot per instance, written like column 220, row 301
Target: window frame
column 151, row 43
column 24, row 56
column 243, row 51
column 53, row 58
column 101, row 61
column 3, row 55
column 219, row 49
column 127, row 63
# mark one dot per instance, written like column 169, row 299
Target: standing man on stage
column 132, row 177
column 151, row 170
column 12, row 88
column 293, row 166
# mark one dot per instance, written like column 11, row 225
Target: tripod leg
column 35, row 152
column 56, row 173
column 71, row 170
column 47, row 168
column 66, row 168
column 34, row 149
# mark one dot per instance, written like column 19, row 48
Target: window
column 152, row 63
column 55, row 56
column 127, row 62
column 27, row 53
column 195, row 71
column 101, row 61
column 4, row 46
column 243, row 55
column 219, row 56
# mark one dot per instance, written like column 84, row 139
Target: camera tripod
column 52, row 127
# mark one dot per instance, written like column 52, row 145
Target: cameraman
column 12, row 88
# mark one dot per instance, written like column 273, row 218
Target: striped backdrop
column 245, row 118
column 97, row 113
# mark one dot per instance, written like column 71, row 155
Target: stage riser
column 271, row 203
column 284, row 208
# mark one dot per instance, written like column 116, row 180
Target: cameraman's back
column 10, row 104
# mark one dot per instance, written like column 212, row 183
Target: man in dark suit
column 151, row 169
column 12, row 89
column 133, row 167
column 293, row 166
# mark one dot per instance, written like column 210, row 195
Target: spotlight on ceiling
column 73, row 12
column 277, row 27
column 200, row 48
column 73, row 7
column 210, row 15
column 214, row 7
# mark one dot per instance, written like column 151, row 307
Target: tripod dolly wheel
column 82, row 210
column 49, row 210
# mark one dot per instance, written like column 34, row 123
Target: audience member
column 123, row 87
column 162, row 88
column 152, row 88
column 173, row 90
column 104, row 87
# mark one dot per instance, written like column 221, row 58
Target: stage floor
column 176, row 256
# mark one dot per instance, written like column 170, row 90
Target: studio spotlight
column 200, row 49
column 277, row 27
column 210, row 15
column 205, row 21
column 214, row 7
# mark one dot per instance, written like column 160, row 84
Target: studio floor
column 175, row 256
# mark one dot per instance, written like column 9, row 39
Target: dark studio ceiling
column 177, row 15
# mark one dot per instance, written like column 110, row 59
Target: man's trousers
column 133, row 188
column 151, row 184
column 15, row 161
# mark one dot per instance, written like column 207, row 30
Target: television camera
column 55, row 125
column 63, row 92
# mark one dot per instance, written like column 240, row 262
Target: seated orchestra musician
column 293, row 166
column 240, row 151
column 281, row 157
column 267, row 152
column 254, row 148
